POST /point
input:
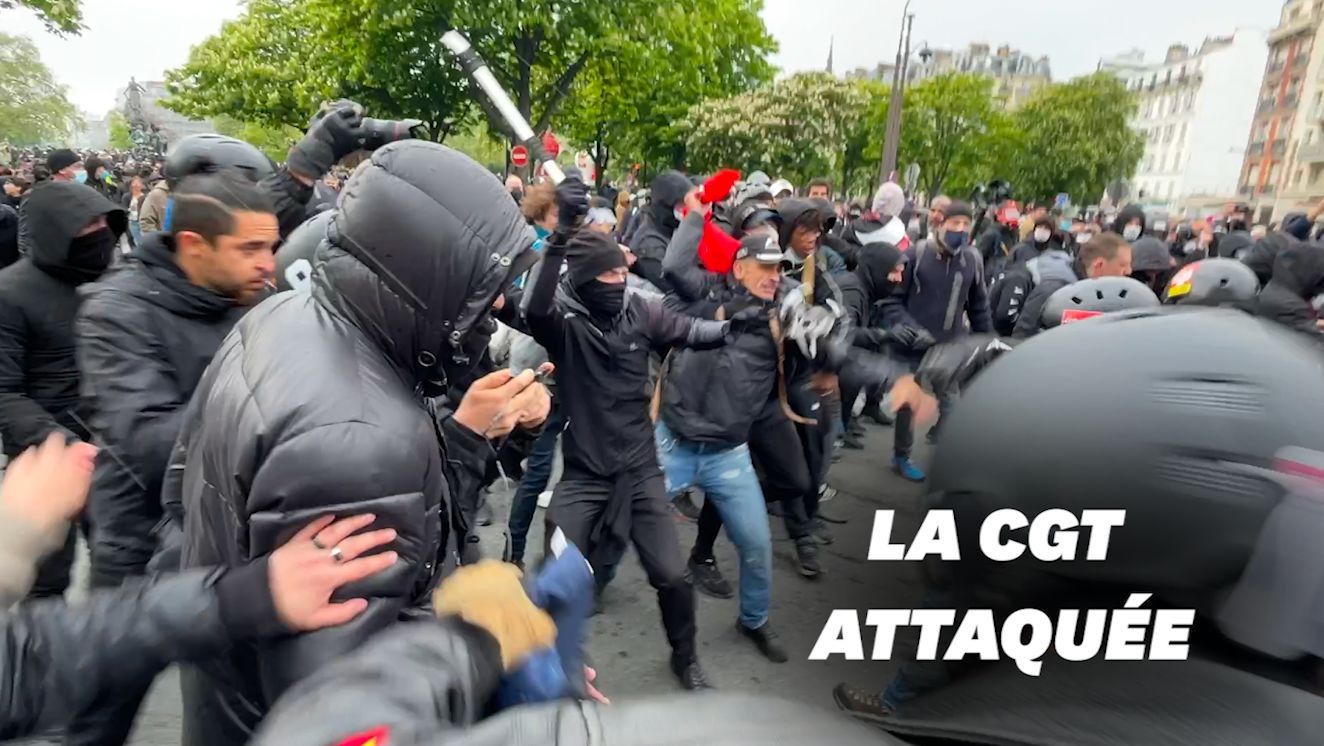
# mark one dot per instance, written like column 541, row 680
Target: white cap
column 781, row 185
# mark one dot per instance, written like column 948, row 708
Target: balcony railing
column 1256, row 149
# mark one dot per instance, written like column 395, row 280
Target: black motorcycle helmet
column 1212, row 282
column 294, row 258
column 207, row 153
column 1178, row 418
column 1086, row 298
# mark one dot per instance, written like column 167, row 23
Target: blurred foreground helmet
column 209, row 153
column 294, row 259
column 1087, row 298
column 1212, row 282
column 1180, row 419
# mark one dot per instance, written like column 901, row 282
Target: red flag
column 375, row 737
column 718, row 186
column 717, row 249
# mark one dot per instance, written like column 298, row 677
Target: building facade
column 1283, row 168
column 1016, row 75
column 1195, row 112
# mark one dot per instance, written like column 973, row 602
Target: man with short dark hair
column 820, row 189
column 1105, row 255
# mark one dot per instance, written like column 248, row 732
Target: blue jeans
column 137, row 232
column 536, row 476
column 726, row 476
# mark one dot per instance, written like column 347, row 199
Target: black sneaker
column 806, row 553
column 857, row 427
column 820, row 531
column 706, row 578
column 852, row 441
column 765, row 639
column 860, row 703
column 691, row 676
column 685, row 506
column 877, row 414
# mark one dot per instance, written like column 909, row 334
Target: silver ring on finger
column 337, row 555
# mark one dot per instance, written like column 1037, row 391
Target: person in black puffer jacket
column 68, row 235
column 649, row 243
column 319, row 403
column 1264, row 252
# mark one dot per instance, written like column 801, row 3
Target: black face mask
column 604, row 300
column 90, row 255
column 1236, row 225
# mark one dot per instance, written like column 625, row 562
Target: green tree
column 796, row 127
column 864, row 142
column 117, row 127
column 1077, row 139
column 647, row 76
column 274, row 140
column 34, row 109
column 60, row 16
column 956, row 131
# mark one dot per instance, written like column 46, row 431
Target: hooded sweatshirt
column 38, row 300
column 1126, row 215
column 145, row 334
column 1298, row 276
column 867, row 285
column 649, row 244
column 1262, row 255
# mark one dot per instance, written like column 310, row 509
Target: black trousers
column 580, row 504
column 56, row 571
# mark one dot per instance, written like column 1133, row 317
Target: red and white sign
column 551, row 145
column 519, row 155
column 1072, row 315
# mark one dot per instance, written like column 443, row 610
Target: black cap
column 761, row 248
column 62, row 159
column 589, row 254
column 958, row 209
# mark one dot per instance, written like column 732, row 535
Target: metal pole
column 890, row 145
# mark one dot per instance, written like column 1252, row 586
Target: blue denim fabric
column 726, row 476
column 537, row 474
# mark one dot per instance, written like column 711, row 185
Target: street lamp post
column 892, row 137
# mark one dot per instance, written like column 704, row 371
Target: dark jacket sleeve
column 952, row 365
column 689, row 280
column 666, row 328
column 545, row 322
column 136, row 405
column 976, row 304
column 291, row 197
column 1031, row 319
column 58, row 659
column 392, row 474
column 23, row 422
column 466, row 455
column 409, row 685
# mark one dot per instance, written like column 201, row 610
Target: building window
column 1300, row 174
column 1167, row 134
column 1182, row 137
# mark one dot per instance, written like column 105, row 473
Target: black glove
column 903, row 334
column 571, row 203
column 923, row 340
column 334, row 133
column 951, row 366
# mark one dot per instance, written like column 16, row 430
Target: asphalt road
column 627, row 643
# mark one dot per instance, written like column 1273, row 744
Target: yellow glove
column 489, row 595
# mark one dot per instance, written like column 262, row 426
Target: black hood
column 423, row 242
column 667, row 191
column 1127, row 214
column 1261, row 256
column 1232, row 244
column 170, row 287
column 1300, row 269
column 876, row 260
column 792, row 210
column 54, row 213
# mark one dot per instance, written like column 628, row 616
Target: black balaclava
column 90, row 255
column 588, row 255
column 876, row 261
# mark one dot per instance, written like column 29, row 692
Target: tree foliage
column 640, row 85
column 60, row 16
column 1077, row 139
column 34, row 109
column 796, row 127
column 956, row 131
column 274, row 141
column 117, row 128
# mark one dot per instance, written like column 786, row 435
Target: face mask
column 679, row 212
column 80, row 176
column 1064, row 226
column 604, row 300
column 955, row 239
column 1131, row 232
column 1041, row 235
column 1160, row 227
column 90, row 255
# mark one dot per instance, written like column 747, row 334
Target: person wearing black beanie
column 600, row 337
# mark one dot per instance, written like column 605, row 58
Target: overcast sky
column 144, row 38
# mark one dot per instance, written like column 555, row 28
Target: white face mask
column 1041, row 235
column 679, row 212
column 1131, row 232
column 1083, row 238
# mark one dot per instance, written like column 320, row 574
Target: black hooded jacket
column 867, row 285
column 316, row 403
column 38, row 300
column 1262, row 255
column 1298, row 276
column 650, row 241
column 145, row 335
column 8, row 235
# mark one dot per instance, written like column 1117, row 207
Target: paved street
column 628, row 645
